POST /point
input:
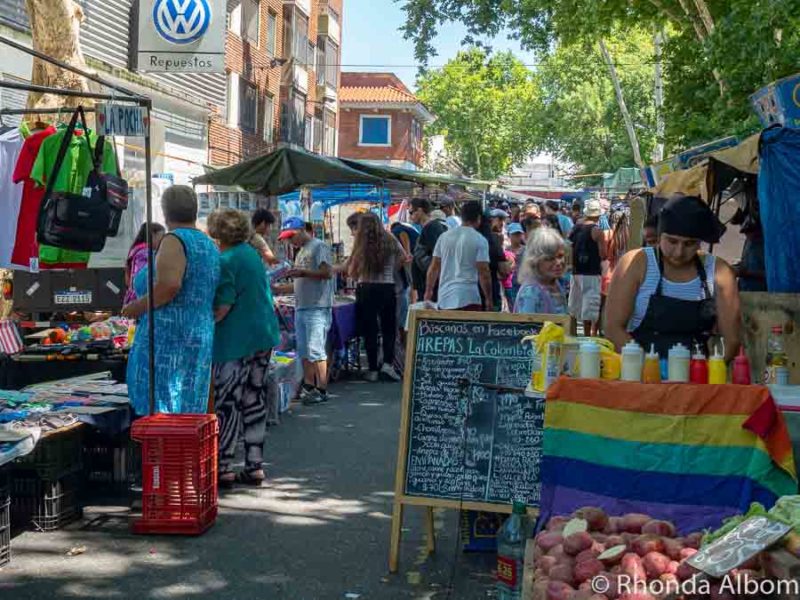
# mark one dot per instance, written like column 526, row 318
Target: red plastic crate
column 179, row 473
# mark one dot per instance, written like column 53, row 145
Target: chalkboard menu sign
column 467, row 441
column 469, row 437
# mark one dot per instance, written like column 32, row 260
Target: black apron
column 669, row 321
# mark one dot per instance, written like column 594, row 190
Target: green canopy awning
column 286, row 170
column 417, row 177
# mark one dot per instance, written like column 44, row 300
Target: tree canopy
column 718, row 52
column 487, row 108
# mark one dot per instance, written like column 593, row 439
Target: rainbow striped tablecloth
column 689, row 454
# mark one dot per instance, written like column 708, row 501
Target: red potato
column 613, row 555
column 557, row 551
column 673, row 567
column 633, row 522
column 637, row 596
column 611, row 584
column 616, row 569
column 693, row 540
column 655, row 564
column 577, row 543
column 670, row 582
column 657, row 527
column 686, row 571
column 588, row 570
column 589, row 554
column 595, row 517
column 614, row 525
column 562, row 572
column 586, row 585
column 582, row 595
column 688, row 553
column 558, row 590
column 672, row 548
column 628, row 537
column 614, row 540
column 540, row 589
column 632, row 567
column 599, row 538
column 545, row 563
column 599, row 597
column 548, row 540
column 645, row 544
column 556, row 524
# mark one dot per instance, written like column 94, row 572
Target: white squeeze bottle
column 590, row 360
column 679, row 359
column 632, row 361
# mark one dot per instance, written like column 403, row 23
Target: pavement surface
column 318, row 530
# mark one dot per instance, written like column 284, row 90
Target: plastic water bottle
column 776, row 373
column 511, row 540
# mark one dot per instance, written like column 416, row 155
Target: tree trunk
column 658, row 151
column 705, row 15
column 626, row 115
column 55, row 31
column 701, row 37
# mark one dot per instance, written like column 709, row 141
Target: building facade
column 280, row 85
column 381, row 121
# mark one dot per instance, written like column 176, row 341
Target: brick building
column 381, row 120
column 283, row 64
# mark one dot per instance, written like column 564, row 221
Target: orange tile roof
column 367, row 95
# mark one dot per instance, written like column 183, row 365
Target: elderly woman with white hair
column 542, row 268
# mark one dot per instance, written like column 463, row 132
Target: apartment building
column 283, row 65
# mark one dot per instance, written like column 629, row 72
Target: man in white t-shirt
column 461, row 265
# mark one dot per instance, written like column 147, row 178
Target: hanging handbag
column 108, row 187
column 68, row 220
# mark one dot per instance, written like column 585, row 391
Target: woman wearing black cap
column 673, row 292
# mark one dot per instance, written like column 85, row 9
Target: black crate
column 54, row 456
column 5, row 521
column 44, row 505
column 110, row 463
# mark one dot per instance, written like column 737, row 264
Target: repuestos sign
column 181, row 36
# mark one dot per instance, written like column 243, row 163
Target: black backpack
column 68, row 220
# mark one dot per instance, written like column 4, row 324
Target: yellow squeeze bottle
column 652, row 366
column 717, row 369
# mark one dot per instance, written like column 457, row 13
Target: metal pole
column 43, row 89
column 151, row 349
column 39, row 111
column 66, row 66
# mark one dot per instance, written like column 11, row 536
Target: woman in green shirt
column 246, row 332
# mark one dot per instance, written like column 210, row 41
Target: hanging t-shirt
column 10, row 193
column 25, row 246
column 72, row 178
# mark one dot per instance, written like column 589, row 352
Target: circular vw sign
column 181, row 21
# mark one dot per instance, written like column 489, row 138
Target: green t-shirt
column 71, row 178
column 251, row 325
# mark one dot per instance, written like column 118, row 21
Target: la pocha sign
column 181, row 36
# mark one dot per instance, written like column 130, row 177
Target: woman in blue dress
column 187, row 274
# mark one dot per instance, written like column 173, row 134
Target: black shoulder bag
column 111, row 188
column 69, row 220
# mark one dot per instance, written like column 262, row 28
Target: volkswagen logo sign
column 181, row 21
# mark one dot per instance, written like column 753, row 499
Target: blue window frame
column 375, row 130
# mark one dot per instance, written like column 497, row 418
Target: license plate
column 82, row 297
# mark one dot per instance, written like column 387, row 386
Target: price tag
column 72, row 297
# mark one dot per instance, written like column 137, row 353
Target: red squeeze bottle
column 698, row 368
column 741, row 369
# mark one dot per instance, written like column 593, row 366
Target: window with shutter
column 251, row 20
column 272, row 33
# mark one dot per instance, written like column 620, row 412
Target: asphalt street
column 318, row 530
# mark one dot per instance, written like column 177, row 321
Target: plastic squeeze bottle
column 590, row 360
column 632, row 359
column 717, row 369
column 741, row 369
column 698, row 367
column 678, row 365
column 652, row 366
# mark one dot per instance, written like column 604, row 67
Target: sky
column 371, row 40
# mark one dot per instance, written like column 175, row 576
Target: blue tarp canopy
column 325, row 198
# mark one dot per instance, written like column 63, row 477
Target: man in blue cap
column 313, row 292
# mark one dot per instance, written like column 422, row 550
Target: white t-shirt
column 460, row 251
column 10, row 193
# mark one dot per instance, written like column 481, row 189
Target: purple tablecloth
column 343, row 328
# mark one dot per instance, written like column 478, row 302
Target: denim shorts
column 311, row 329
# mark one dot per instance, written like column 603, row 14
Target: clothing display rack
column 119, row 95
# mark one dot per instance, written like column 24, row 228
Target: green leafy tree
column 487, row 108
column 717, row 53
column 581, row 118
